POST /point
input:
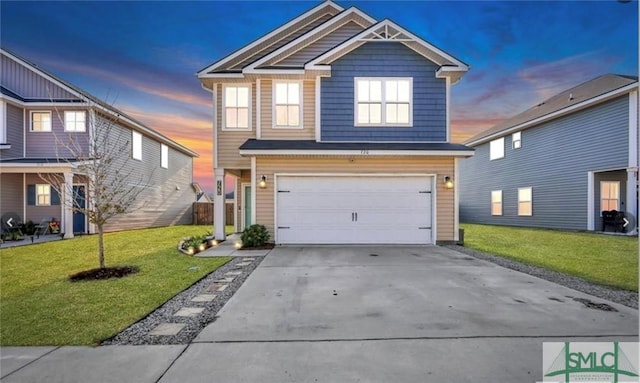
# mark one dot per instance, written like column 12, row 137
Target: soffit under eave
column 208, row 82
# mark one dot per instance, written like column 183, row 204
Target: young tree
column 102, row 157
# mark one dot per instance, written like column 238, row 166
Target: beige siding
column 229, row 141
column 440, row 166
column 308, row 114
column 12, row 195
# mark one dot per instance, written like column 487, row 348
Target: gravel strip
column 138, row 333
column 624, row 297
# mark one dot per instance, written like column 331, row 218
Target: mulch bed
column 104, row 273
column 266, row 246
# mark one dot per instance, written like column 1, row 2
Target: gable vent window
column 516, row 140
column 164, row 156
column 496, row 149
column 287, row 104
column 237, row 107
column 383, row 102
column 136, row 146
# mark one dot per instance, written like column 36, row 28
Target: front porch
column 613, row 191
column 36, row 190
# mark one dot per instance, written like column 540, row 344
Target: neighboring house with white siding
column 38, row 111
column 336, row 127
column 560, row 163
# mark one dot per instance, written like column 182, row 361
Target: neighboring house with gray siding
column 39, row 111
column 560, row 163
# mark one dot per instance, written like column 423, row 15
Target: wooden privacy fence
column 203, row 213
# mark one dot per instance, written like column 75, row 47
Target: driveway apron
column 398, row 314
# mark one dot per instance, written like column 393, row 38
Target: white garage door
column 354, row 210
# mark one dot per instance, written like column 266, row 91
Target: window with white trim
column 496, row 149
column 75, row 121
column 136, row 145
column 525, row 201
column 383, row 101
column 164, row 156
column 237, row 113
column 287, row 104
column 516, row 140
column 496, row 202
column 609, row 195
column 40, row 121
column 43, row 195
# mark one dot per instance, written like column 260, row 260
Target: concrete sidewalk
column 228, row 248
column 356, row 314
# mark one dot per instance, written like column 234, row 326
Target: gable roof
column 587, row 94
column 88, row 99
column 272, row 40
column 291, row 51
column 388, row 31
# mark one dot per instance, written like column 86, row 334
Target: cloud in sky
column 144, row 55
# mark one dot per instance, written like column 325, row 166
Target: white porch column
column 219, row 207
column 67, row 206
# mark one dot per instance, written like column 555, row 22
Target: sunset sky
column 142, row 56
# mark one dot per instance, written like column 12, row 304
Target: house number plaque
column 219, row 187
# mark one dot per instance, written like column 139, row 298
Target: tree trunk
column 101, row 246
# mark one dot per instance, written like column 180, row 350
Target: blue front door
column 79, row 200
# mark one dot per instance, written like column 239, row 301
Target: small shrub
column 254, row 236
column 194, row 242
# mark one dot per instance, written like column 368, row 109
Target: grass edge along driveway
column 39, row 306
column 603, row 259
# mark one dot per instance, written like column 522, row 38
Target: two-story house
column 41, row 115
column 336, row 127
column 559, row 164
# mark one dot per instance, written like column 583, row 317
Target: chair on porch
column 614, row 219
column 43, row 227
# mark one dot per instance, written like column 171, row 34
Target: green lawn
column 604, row 259
column 39, row 306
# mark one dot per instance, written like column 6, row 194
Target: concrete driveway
column 401, row 314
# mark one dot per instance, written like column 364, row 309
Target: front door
column 79, row 201
column 246, row 200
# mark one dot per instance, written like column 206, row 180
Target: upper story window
column 609, row 195
column 237, row 104
column 383, row 101
column 525, row 201
column 287, row 104
column 164, row 156
column 136, row 145
column 496, row 202
column 75, row 121
column 40, row 121
column 516, row 140
column 496, row 149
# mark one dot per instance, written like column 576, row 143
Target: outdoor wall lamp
column 263, row 182
column 448, row 182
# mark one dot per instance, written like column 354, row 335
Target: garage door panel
column 353, row 209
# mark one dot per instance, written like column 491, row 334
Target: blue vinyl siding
column 383, row 59
column 554, row 160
